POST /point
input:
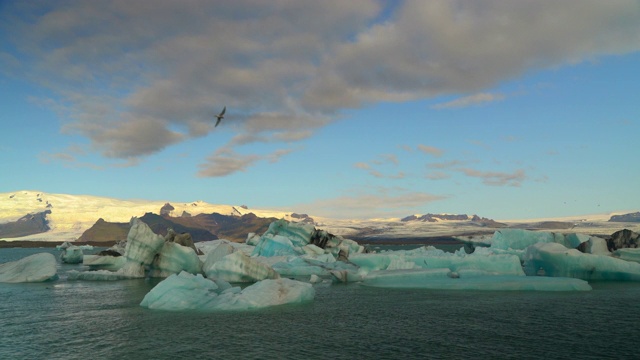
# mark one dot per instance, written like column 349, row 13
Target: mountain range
column 38, row 216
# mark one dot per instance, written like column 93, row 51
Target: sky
column 343, row 109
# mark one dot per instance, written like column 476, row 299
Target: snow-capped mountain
column 67, row 217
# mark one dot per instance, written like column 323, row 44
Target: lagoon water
column 103, row 320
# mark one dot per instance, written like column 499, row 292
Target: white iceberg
column 185, row 291
column 34, row 268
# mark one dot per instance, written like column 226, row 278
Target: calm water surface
column 103, row 320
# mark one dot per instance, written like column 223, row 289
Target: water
column 103, row 320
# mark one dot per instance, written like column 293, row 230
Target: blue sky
column 358, row 109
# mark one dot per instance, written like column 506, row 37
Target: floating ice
column 34, row 268
column 446, row 280
column 285, row 238
column 104, row 262
column 628, row 254
column 432, row 258
column 185, row 291
column 238, row 267
column 72, row 255
column 553, row 259
column 174, row 258
column 140, row 251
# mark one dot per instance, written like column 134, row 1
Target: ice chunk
column 519, row 239
column 553, row 259
column 275, row 245
column 105, row 262
column 220, row 251
column 445, row 280
column 142, row 246
column 174, row 258
column 628, row 254
column 72, row 254
column 298, row 233
column 238, row 267
column 431, row 258
column 193, row 292
column 34, row 268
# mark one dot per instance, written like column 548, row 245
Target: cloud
column 384, row 203
column 226, row 161
column 437, row 175
column 470, row 100
column 382, row 160
column 430, row 150
column 135, row 77
column 497, row 178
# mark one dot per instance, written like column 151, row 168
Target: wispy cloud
column 226, row 161
column 430, row 150
column 438, row 175
column 384, row 203
column 470, row 100
column 381, row 161
column 497, row 178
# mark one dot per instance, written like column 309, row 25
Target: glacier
column 185, row 291
column 34, row 268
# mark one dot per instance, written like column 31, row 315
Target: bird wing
column 223, row 110
column 218, row 122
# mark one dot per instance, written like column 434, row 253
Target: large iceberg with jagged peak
column 146, row 254
column 186, row 291
column 284, row 238
column 34, row 268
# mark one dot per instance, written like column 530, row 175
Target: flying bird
column 220, row 116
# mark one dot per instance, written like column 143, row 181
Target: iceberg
column 628, row 254
column 174, row 258
column 186, row 291
column 144, row 249
column 432, row 258
column 444, row 279
column 552, row 259
column 285, row 238
column 238, row 267
column 72, row 255
column 104, row 262
column 34, row 268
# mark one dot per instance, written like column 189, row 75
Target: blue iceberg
column 186, row 291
